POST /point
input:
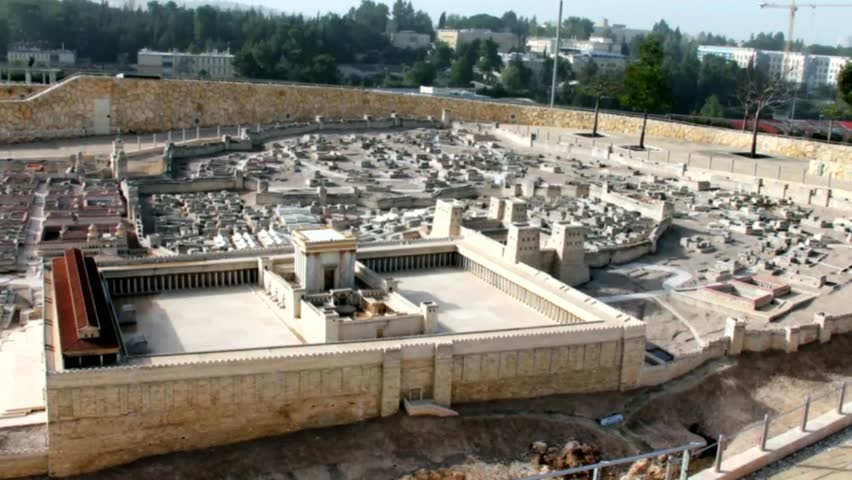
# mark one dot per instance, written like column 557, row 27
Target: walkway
column 829, row 460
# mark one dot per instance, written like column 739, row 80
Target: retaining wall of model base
column 103, row 104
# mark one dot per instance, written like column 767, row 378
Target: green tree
column 578, row 27
column 421, row 73
column 712, row 108
column 844, row 84
column 404, row 17
column 372, row 15
column 462, row 72
column 516, row 76
column 646, row 85
column 834, row 111
column 441, row 56
column 323, row 69
column 442, row 20
column 489, row 56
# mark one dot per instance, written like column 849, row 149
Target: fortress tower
column 569, row 263
column 523, row 245
column 447, row 221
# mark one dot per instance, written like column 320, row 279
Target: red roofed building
column 87, row 329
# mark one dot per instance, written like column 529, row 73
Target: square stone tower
column 569, row 263
column 516, row 212
column 523, row 245
column 325, row 259
column 448, row 218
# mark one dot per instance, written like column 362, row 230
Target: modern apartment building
column 21, row 55
column 407, row 39
column 505, row 40
column 801, row 68
column 213, row 64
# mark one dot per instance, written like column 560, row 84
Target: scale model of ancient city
column 236, row 261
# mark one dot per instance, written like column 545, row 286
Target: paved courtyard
column 209, row 320
column 466, row 303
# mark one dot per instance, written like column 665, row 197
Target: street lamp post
column 556, row 57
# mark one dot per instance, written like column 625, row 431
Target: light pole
column 556, row 57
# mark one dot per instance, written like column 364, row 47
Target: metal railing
column 757, row 434
column 683, row 452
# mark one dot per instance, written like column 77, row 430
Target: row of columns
column 412, row 262
column 181, row 281
column 545, row 307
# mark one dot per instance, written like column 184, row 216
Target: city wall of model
column 81, row 105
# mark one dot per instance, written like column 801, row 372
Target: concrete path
column 832, row 461
column 679, row 278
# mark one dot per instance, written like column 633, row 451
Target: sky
column 733, row 18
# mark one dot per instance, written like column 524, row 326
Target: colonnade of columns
column 535, row 301
column 412, row 262
column 180, row 281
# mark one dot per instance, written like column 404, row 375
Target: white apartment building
column 505, row 41
column 541, row 45
column 813, row 70
column 606, row 62
column 547, row 45
column 20, row 56
column 407, row 39
column 743, row 56
column 621, row 31
column 212, row 64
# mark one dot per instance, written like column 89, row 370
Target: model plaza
column 321, row 293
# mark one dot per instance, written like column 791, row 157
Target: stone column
column 391, row 381
column 735, row 331
column 791, row 339
column 632, row 357
column 823, row 320
column 443, row 381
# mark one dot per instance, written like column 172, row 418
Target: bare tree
column 758, row 92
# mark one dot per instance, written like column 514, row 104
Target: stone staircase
column 424, row 408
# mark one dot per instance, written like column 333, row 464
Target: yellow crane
column 794, row 7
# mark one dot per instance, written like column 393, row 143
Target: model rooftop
column 322, row 235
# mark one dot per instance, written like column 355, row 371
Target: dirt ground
column 720, row 397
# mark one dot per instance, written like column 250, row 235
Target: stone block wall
column 592, row 367
column 113, row 416
column 154, row 105
column 98, row 418
column 19, row 92
column 22, row 463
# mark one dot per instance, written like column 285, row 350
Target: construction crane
column 794, row 7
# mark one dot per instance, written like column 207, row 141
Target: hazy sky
column 734, row 18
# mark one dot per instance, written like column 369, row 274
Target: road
column 679, row 278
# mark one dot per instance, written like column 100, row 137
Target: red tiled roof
column 81, row 306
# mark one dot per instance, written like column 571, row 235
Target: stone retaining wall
column 103, row 417
column 22, row 463
column 154, row 105
column 739, row 339
column 19, row 92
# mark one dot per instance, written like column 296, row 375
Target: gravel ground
column 841, row 439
